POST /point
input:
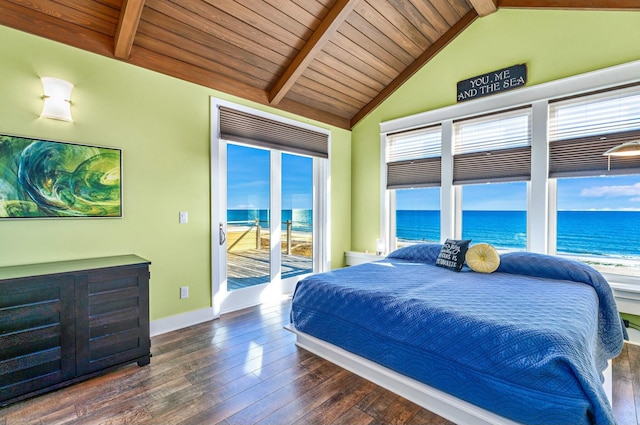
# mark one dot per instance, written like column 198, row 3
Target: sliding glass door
column 248, row 216
column 248, row 235
column 297, row 215
column 269, row 205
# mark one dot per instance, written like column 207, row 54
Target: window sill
column 626, row 290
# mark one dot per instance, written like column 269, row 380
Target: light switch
column 184, row 217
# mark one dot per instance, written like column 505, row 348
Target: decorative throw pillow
column 483, row 258
column 452, row 254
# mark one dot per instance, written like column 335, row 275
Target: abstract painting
column 44, row 179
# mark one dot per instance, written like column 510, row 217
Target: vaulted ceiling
column 329, row 60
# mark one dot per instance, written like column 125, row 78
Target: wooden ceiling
column 329, row 60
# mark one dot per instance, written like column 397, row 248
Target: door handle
column 222, row 236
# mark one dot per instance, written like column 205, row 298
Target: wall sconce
column 625, row 149
column 57, row 99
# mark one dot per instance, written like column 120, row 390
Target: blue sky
column 600, row 193
column 248, row 188
column 248, row 179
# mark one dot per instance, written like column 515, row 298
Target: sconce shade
column 57, row 99
column 625, row 149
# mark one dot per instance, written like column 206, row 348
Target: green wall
column 553, row 43
column 162, row 126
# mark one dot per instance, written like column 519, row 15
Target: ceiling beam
column 127, row 27
column 572, row 4
column 187, row 72
column 484, row 7
column 327, row 28
column 415, row 66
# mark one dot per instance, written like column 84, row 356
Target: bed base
column 432, row 399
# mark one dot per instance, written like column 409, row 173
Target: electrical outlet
column 184, row 292
column 183, row 217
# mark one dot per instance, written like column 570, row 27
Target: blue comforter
column 528, row 342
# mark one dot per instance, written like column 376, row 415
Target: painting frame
column 51, row 179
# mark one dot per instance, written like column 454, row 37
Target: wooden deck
column 245, row 369
column 252, row 267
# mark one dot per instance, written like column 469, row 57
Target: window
column 417, row 215
column 598, row 198
column 493, row 148
column 582, row 128
column 597, row 217
column 248, row 216
column 489, row 149
column 551, row 188
column 495, row 214
column 413, row 161
column 413, row 158
column 297, row 215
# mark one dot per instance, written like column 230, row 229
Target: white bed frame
column 432, row 399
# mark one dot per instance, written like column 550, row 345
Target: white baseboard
column 179, row 321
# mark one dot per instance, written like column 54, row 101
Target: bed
column 526, row 344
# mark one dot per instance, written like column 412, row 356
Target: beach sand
column 611, row 265
column 244, row 238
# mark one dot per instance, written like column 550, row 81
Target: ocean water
column 301, row 220
column 606, row 233
column 603, row 233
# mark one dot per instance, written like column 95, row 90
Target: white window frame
column 541, row 193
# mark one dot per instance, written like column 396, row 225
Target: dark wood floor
column 245, row 369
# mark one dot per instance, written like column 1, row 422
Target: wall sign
column 493, row 82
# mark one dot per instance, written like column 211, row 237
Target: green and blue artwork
column 41, row 178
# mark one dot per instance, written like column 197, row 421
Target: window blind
column 493, row 148
column 582, row 128
column 413, row 158
column 246, row 128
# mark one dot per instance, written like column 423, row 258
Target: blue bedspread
column 528, row 342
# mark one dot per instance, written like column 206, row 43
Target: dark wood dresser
column 67, row 321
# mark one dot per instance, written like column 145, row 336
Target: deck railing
column 252, row 236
